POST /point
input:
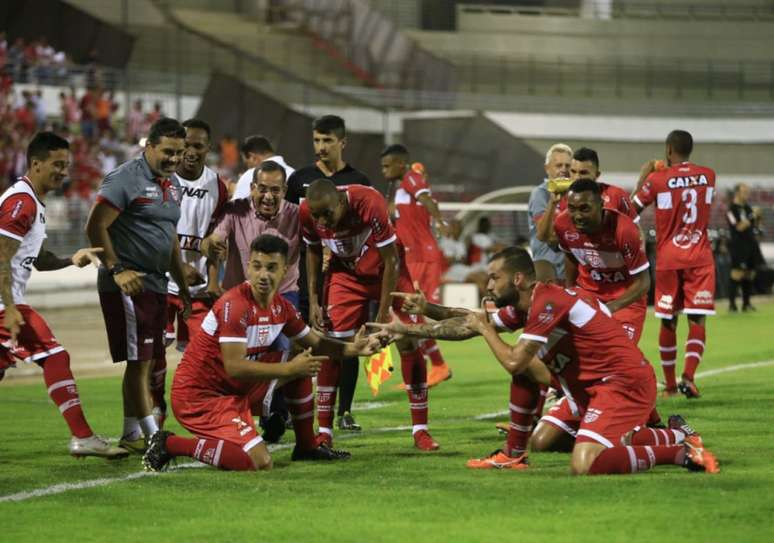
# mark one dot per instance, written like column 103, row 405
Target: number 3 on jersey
column 689, row 199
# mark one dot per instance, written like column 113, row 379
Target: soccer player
column 329, row 138
column 613, row 389
column 24, row 334
column 604, row 254
column 746, row 256
column 549, row 261
column 557, row 430
column 685, row 267
column 414, row 207
column 366, row 266
column 231, row 365
column 585, row 164
column 134, row 221
column 255, row 151
column 203, row 197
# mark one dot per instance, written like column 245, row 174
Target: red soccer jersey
column 587, row 325
column 356, row 240
column 613, row 197
column 683, row 196
column 413, row 220
column 237, row 318
column 608, row 259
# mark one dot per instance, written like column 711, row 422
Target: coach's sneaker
column 156, row 457
column 136, row 446
column 347, row 423
column 438, row 374
column 424, row 441
column 95, row 446
column 321, row 452
column 688, row 388
column 324, row 438
column 699, row 459
column 677, row 422
column 499, row 460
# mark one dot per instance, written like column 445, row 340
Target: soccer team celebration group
column 273, row 293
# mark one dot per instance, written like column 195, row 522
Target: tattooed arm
column 454, row 329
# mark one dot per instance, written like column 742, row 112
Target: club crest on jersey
column 276, row 310
column 688, row 181
column 547, row 315
column 685, row 238
column 264, row 333
column 592, row 415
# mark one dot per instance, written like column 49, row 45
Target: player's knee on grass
column 261, row 457
column 549, row 438
column 583, row 456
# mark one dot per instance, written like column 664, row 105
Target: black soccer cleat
column 321, row 452
column 273, row 427
column 347, row 423
column 688, row 388
column 156, row 457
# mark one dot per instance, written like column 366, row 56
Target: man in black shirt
column 329, row 137
column 743, row 221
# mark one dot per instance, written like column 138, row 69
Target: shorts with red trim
column 428, row 275
column 348, row 299
column 616, row 406
column 691, row 291
column 34, row 343
column 186, row 330
column 208, row 414
column 562, row 417
column 135, row 324
column 632, row 318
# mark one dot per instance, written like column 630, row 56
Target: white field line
column 66, row 487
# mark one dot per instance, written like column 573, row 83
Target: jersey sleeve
column 415, row 184
column 647, row 192
column 232, row 319
column 295, row 327
column 308, row 231
column 560, row 227
column 374, row 214
column 538, row 202
column 220, row 207
column 547, row 310
column 115, row 192
column 17, row 215
column 508, row 318
column 633, row 248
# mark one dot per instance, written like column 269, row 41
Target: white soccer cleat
column 95, row 446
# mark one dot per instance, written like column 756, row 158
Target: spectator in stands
column 69, row 110
column 229, row 154
column 482, row 245
column 456, row 253
column 135, row 122
column 153, row 115
column 88, row 107
column 104, row 108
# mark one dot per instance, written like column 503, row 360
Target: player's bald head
column 320, row 191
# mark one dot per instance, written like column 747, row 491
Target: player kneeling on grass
column 232, row 365
column 609, row 394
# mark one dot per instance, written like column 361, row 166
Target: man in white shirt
column 256, row 150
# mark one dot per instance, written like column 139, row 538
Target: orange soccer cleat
column 499, row 460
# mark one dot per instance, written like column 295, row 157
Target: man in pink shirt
column 265, row 212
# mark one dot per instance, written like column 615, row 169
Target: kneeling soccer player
column 613, row 387
column 231, row 365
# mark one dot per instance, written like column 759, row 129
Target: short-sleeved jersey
column 143, row 233
column 588, row 325
column 355, row 241
column 683, row 197
column 737, row 213
column 412, row 220
column 201, row 205
column 607, row 260
column 23, row 218
column 237, row 318
column 613, row 197
column 303, row 177
column 539, row 199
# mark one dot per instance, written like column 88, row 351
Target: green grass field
column 390, row 492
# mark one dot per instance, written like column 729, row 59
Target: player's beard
column 509, row 297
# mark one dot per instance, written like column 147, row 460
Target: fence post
column 740, row 80
column 710, row 80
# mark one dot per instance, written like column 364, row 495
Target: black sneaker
column 156, row 457
column 273, row 427
column 677, row 422
column 347, row 423
column 747, row 308
column 732, row 308
column 688, row 388
column 321, row 452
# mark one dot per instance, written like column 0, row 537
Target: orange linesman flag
column 378, row 369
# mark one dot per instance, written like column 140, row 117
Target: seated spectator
column 456, row 253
